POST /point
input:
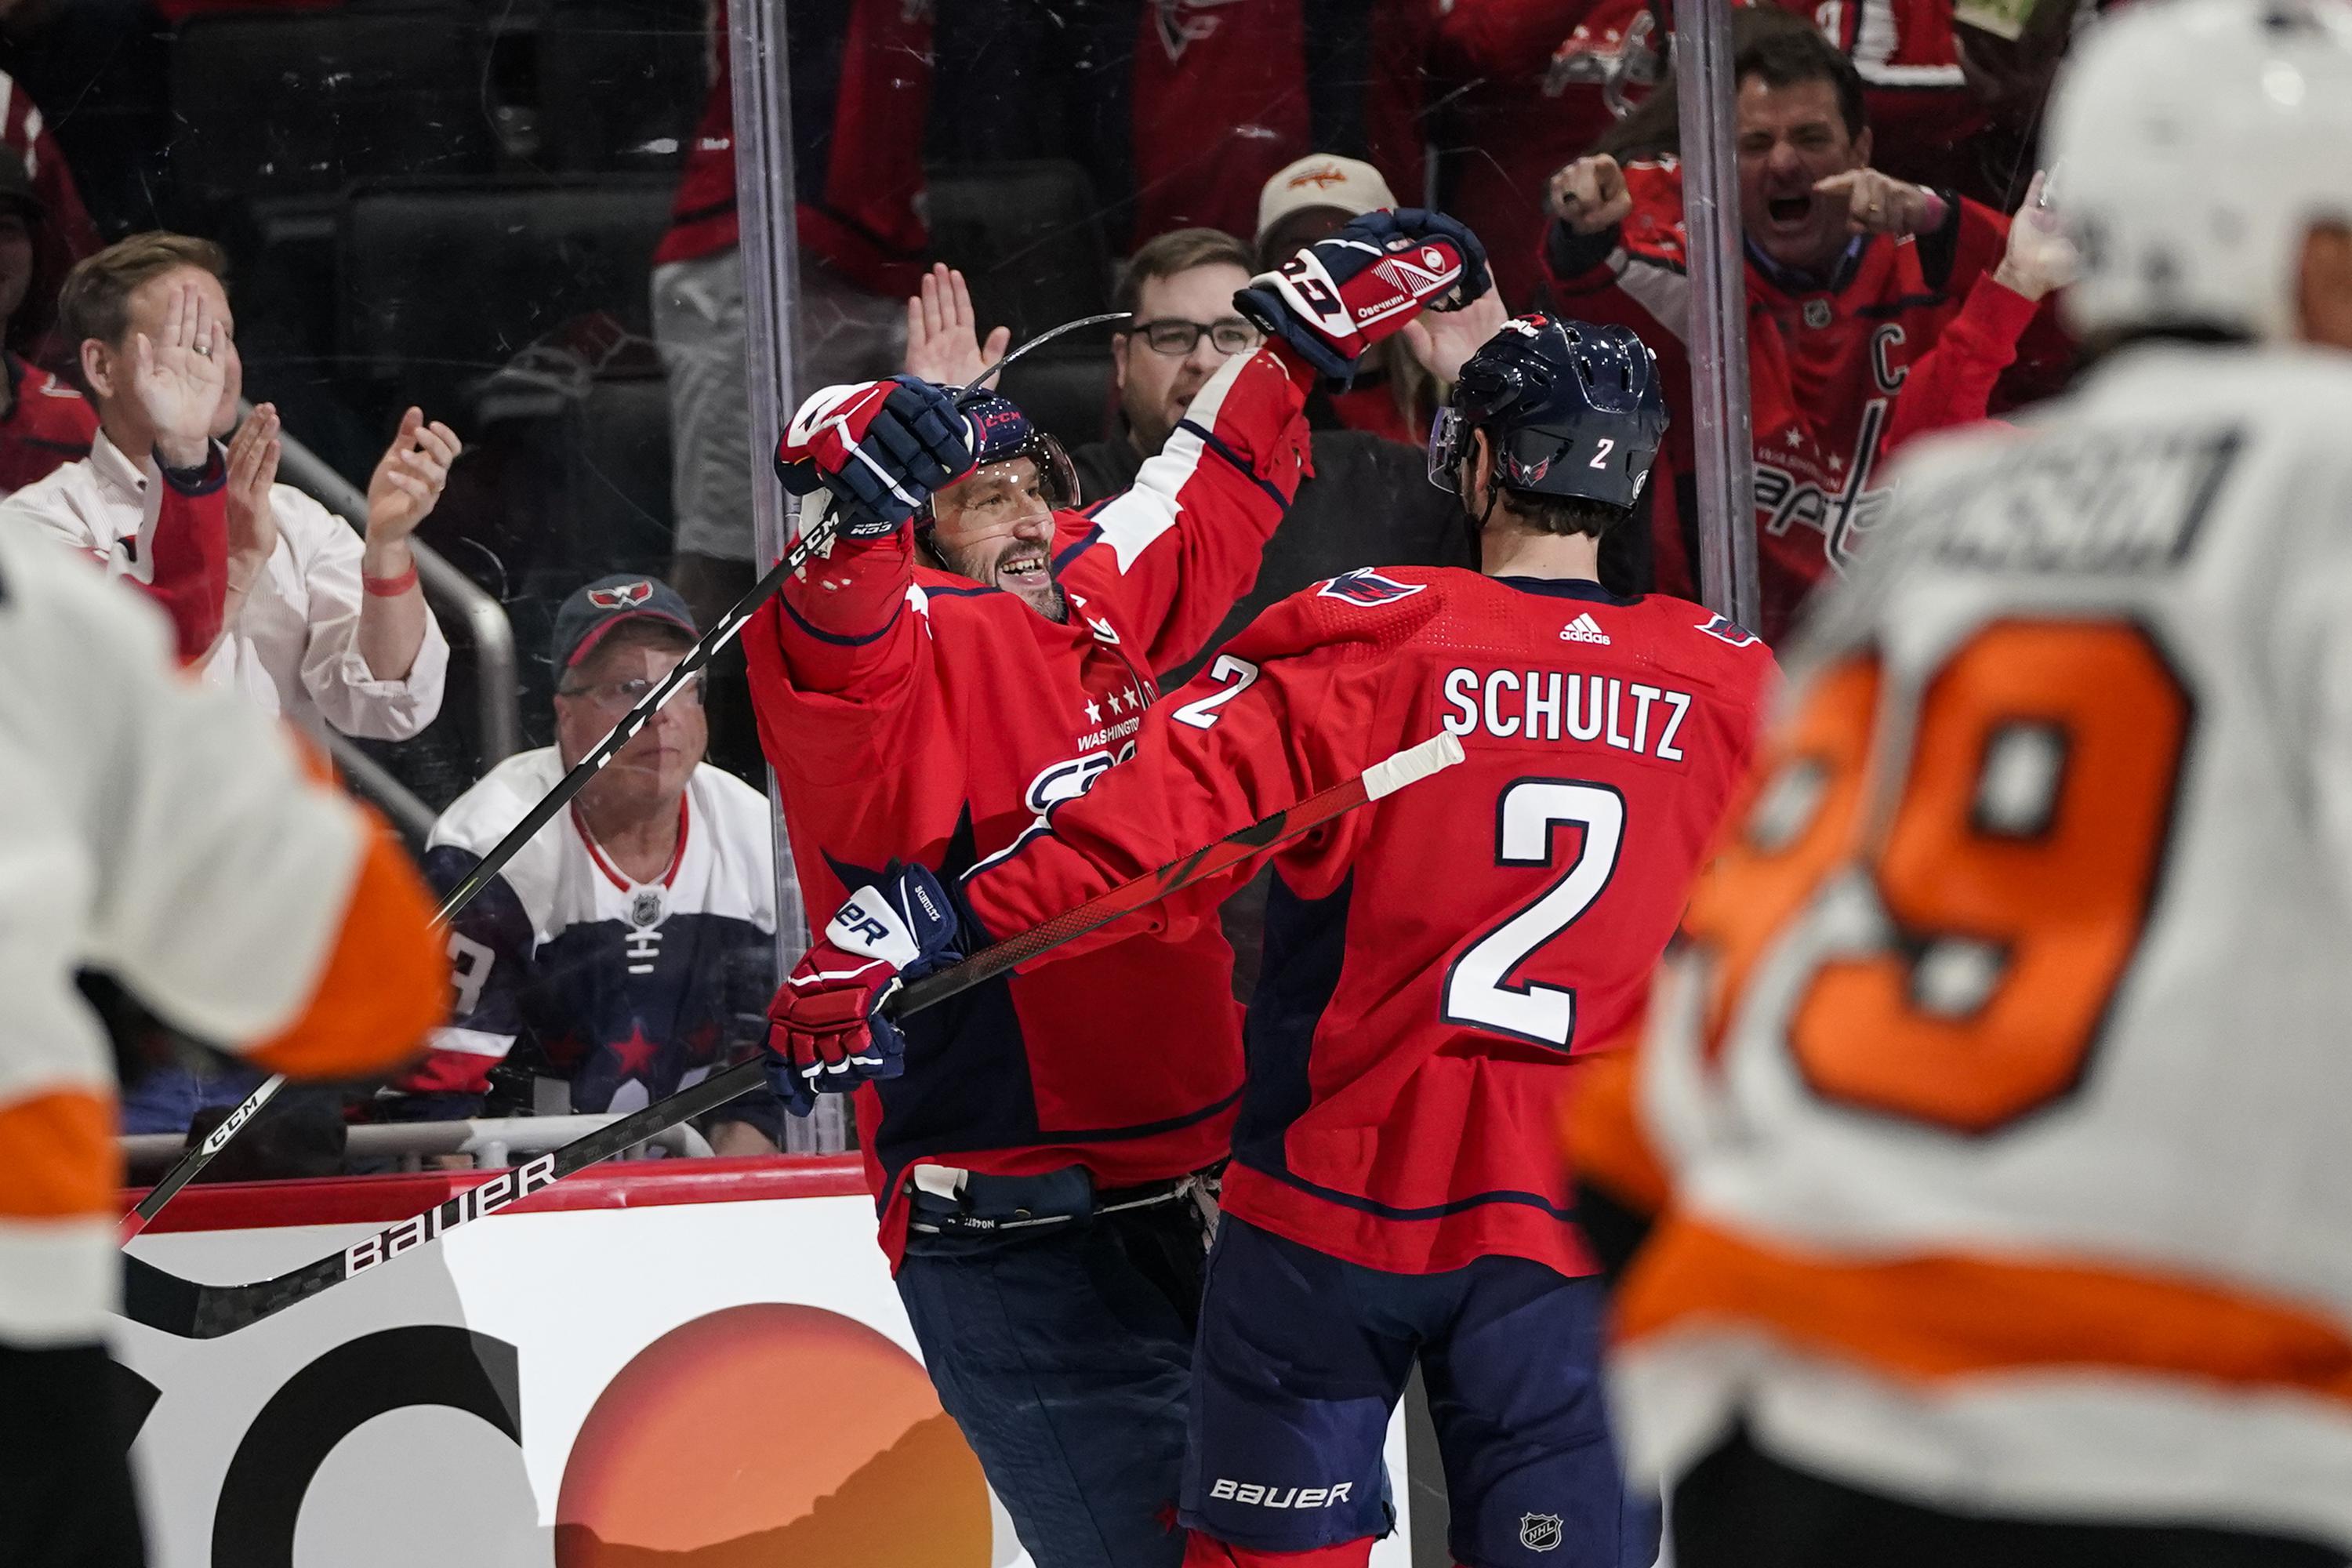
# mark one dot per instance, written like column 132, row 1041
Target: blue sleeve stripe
column 1208, row 439
column 837, row 641
column 1079, row 545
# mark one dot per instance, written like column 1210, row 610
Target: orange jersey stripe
column 386, row 982
column 1600, row 1130
column 57, row 1151
column 1950, row 1316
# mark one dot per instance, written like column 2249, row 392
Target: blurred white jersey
column 2006, row 1082
column 167, row 834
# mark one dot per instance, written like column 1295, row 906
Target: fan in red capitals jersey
column 1437, row 964
column 1877, row 310
column 968, row 653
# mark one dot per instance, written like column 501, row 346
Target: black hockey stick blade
column 191, row 1309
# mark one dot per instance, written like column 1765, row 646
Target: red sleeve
column 1264, row 727
column 187, row 572
column 840, row 661
column 1173, row 554
column 1951, row 384
column 1633, row 275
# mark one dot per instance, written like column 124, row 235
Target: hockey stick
column 192, row 1309
column 814, row 542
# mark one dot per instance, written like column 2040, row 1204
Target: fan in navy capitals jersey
column 1436, row 963
column 969, row 651
column 612, row 957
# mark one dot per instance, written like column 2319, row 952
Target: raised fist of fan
column 1339, row 296
column 826, row 1033
column 882, row 448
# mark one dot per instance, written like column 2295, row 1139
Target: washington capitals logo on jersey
column 1367, row 588
column 620, row 595
column 1723, row 628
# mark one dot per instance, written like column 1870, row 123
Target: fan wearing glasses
column 608, row 966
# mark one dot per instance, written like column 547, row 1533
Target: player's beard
column 1034, row 587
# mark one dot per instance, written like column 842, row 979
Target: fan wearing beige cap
column 1399, row 389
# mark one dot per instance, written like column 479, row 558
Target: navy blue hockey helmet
column 1002, row 432
column 1573, row 409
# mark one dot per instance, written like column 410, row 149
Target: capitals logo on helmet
column 620, row 595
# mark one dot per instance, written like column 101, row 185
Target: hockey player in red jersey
column 1436, row 963
column 970, row 652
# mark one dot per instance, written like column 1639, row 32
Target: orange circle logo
column 772, row 1434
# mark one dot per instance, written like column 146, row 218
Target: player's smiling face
column 997, row 529
column 1790, row 138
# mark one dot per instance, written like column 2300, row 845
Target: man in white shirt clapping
column 315, row 623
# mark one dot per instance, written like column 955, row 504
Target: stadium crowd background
column 519, row 216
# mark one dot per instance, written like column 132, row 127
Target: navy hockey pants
column 1065, row 1355
column 1303, row 1356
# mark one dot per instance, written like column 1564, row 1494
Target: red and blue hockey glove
column 880, row 446
column 826, row 1033
column 1339, row 296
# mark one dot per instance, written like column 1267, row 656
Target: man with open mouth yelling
column 1878, row 309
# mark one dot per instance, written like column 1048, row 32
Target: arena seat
column 1027, row 235
column 621, row 83
column 1069, row 393
column 348, row 94
column 440, row 285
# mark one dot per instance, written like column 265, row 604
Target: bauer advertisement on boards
column 694, row 1385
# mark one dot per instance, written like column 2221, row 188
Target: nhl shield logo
column 1540, row 1531
column 620, row 595
column 647, row 907
column 1817, row 314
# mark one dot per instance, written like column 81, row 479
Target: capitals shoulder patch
column 1723, row 628
column 1367, row 588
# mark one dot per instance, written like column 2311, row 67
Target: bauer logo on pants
column 1266, row 1496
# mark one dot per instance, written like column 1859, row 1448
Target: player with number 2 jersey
column 1435, row 963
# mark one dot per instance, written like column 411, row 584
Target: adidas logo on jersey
column 1584, row 628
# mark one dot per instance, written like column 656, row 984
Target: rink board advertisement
column 678, row 1370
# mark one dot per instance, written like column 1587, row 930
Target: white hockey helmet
column 2192, row 144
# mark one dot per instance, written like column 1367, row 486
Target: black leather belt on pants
column 977, row 1203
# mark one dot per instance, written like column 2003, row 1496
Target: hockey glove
column 1339, row 296
column 826, row 1033
column 880, row 446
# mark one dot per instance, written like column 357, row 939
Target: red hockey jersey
column 45, row 425
column 1436, row 961
column 861, row 86
column 1839, row 372
column 911, row 714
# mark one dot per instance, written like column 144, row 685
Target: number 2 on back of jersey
column 1527, row 814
